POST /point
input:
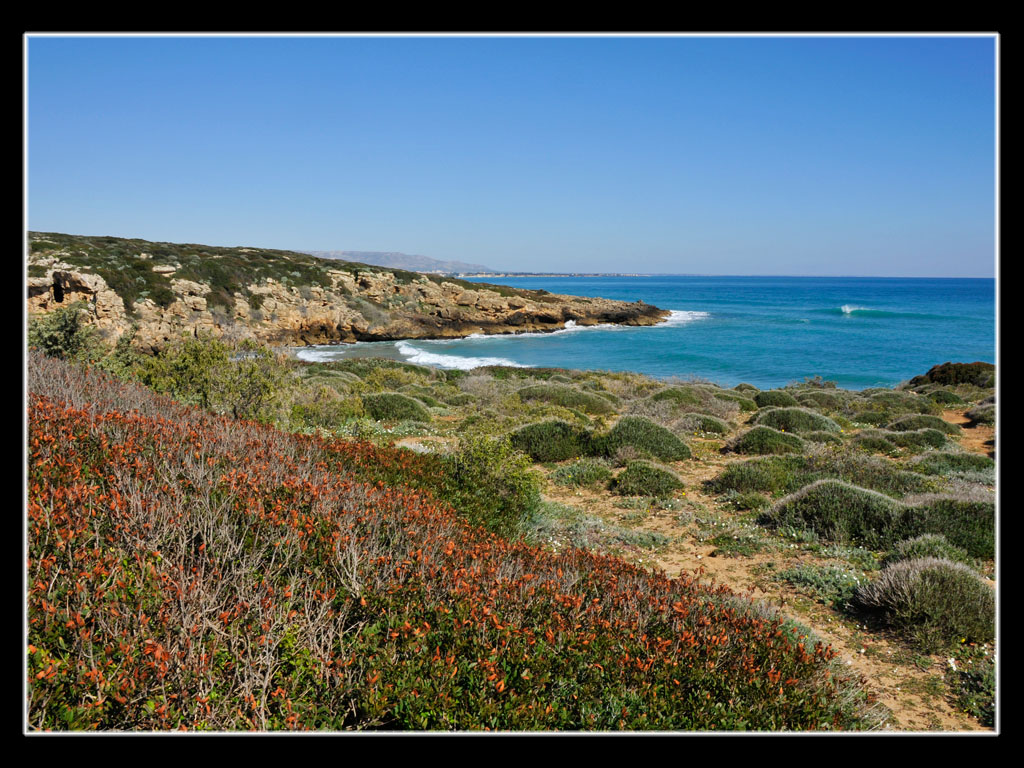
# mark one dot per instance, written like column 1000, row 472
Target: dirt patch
column 910, row 685
column 976, row 438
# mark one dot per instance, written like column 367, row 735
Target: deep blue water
column 768, row 331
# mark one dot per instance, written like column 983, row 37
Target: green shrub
column 743, row 501
column 935, row 604
column 775, row 398
column 678, row 396
column 839, row 512
column 822, row 437
column 947, row 463
column 979, row 374
column 642, row 478
column 702, row 422
column 796, row 420
column 968, row 524
column 394, row 406
column 982, row 414
column 764, row 440
column 492, row 484
column 322, row 407
column 972, row 683
column 586, row 472
column 945, row 397
column 819, row 399
column 745, row 403
column 884, row 441
column 788, row 473
column 830, row 584
column 245, row 380
column 567, row 397
column 63, row 333
column 744, row 387
column 554, row 440
column 928, row 545
column 923, row 421
column 644, row 435
column 874, row 418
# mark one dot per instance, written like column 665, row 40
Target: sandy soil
column 908, row 684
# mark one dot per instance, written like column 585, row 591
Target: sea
column 766, row 331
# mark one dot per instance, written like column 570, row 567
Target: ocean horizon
column 859, row 332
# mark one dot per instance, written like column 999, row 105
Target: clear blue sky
column 811, row 156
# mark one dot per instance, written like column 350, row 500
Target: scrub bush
column 935, row 604
column 645, row 436
column 554, row 440
column 642, row 478
column 765, row 440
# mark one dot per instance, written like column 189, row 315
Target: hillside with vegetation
column 224, row 539
column 158, row 291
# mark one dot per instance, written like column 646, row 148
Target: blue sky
column 706, row 155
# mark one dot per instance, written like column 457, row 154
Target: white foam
column 678, row 317
column 318, row 354
column 422, row 357
column 849, row 309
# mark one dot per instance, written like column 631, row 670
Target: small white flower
column 952, row 663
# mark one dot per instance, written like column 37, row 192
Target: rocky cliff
column 283, row 297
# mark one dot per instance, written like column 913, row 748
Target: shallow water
column 767, row 331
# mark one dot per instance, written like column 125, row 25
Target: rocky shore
column 346, row 303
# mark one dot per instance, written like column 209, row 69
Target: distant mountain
column 401, row 261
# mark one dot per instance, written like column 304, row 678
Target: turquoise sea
column 767, row 331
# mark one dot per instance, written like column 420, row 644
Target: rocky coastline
column 347, row 303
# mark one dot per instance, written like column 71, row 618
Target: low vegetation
column 222, row 538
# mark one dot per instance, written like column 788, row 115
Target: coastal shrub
column 978, row 374
column 982, row 414
column 765, row 440
column 822, row 437
column 679, row 396
column 643, row 435
column 745, row 500
column 935, row 604
column 744, row 387
column 788, row 473
column 745, row 403
column 840, row 512
column 492, row 484
column 874, row 441
column 874, row 418
column 944, row 397
column 321, row 406
column 245, row 380
column 642, row 478
column 702, row 422
column 923, row 421
column 394, row 406
column 567, row 397
column 928, row 545
column 796, row 420
column 334, row 567
column 583, row 473
column 829, row 584
column 948, row 463
column 966, row 523
column 972, row 682
column 63, row 333
column 817, row 398
column 885, row 441
column 553, row 440
column 903, row 402
column 775, row 398
column 424, row 395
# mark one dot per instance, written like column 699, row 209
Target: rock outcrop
column 349, row 305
